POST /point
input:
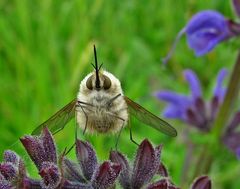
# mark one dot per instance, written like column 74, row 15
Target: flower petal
column 173, row 112
column 5, row 185
column 161, row 184
column 173, row 98
column 50, row 175
column 34, row 147
column 162, row 170
column 194, row 83
column 2, row 177
column 234, row 28
column 192, row 118
column 72, row 185
column 87, row 158
column 31, row 183
column 49, row 146
column 219, row 90
column 12, row 157
column 13, row 168
column 124, row 177
column 214, row 107
column 106, row 175
column 205, row 30
column 231, row 140
column 202, row 182
column 40, row 149
column 238, row 152
column 72, row 171
column 144, row 165
column 157, row 151
column 236, row 6
column 8, row 170
column 177, row 104
column 235, row 122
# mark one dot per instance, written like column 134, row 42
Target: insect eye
column 107, row 83
column 89, row 83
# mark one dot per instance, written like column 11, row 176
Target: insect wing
column 59, row 119
column 150, row 119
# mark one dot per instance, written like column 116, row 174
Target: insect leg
column 130, row 132
column 70, row 148
column 55, row 132
column 112, row 99
column 76, row 127
column 86, row 116
column 131, row 137
column 119, row 133
column 118, row 137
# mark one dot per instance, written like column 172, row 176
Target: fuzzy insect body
column 101, row 107
column 103, row 110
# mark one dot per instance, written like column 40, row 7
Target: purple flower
column 200, row 113
column 13, row 173
column 192, row 108
column 105, row 175
column 204, row 31
column 5, row 185
column 236, row 6
column 88, row 172
column 42, row 151
column 232, row 135
column 87, row 158
column 238, row 152
column 146, row 165
column 40, row 148
column 202, row 182
column 162, row 184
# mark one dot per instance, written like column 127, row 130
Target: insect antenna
column 97, row 82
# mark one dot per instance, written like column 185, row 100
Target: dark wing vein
column 59, row 119
column 150, row 119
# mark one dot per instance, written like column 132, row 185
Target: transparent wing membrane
column 59, row 119
column 150, row 119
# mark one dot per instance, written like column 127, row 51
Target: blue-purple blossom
column 192, row 108
column 205, row 30
column 200, row 113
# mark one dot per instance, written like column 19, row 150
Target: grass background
column 46, row 49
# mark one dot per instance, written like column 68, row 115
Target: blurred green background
column 46, row 49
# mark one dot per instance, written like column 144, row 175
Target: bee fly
column 101, row 107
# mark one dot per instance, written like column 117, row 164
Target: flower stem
column 203, row 162
column 188, row 158
column 206, row 157
column 229, row 100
